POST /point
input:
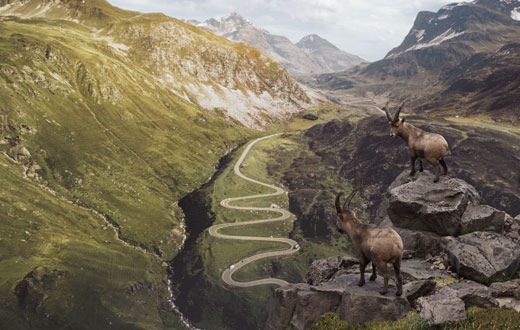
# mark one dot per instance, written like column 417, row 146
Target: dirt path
column 293, row 247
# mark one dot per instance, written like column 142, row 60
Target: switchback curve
column 293, row 247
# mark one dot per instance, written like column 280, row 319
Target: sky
column 367, row 28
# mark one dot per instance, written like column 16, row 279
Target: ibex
column 430, row 146
column 380, row 245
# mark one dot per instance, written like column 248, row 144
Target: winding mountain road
column 293, row 247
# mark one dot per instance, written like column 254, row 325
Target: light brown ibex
column 421, row 144
column 380, row 245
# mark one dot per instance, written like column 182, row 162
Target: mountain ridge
column 301, row 58
column 437, row 67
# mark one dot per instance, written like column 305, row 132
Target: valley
column 144, row 173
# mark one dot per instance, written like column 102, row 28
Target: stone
column 474, row 294
column 441, row 308
column 482, row 218
column 359, row 306
column 286, row 298
column 506, row 289
column 421, row 242
column 312, row 304
column 323, row 269
column 416, row 289
column 299, row 306
column 418, row 269
column 311, row 116
column 422, row 205
column 483, row 256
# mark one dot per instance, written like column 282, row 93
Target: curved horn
column 338, row 206
column 396, row 116
column 349, row 199
column 387, row 114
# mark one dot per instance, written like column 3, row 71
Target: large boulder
column 299, row 306
column 419, row 204
column 443, row 307
column 507, row 294
column 483, row 218
column 483, row 256
column 322, row 270
column 474, row 294
column 363, row 304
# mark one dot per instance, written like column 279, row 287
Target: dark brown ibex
column 423, row 145
column 380, row 245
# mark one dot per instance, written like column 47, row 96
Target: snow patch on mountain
column 515, row 14
column 445, row 36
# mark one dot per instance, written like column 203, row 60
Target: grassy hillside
column 99, row 137
column 95, row 153
column 62, row 265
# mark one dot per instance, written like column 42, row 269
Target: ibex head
column 345, row 214
column 396, row 124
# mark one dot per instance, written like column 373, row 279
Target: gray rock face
column 474, row 294
column 301, row 305
column 323, row 269
column 359, row 306
column 416, row 289
column 422, row 242
column 482, row 218
column 443, row 307
column 482, row 256
column 425, row 206
column 506, row 289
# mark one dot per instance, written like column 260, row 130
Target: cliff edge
column 458, row 253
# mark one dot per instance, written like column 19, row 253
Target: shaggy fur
column 423, row 145
column 380, row 245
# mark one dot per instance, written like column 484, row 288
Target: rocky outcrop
column 417, row 204
column 483, row 256
column 466, row 243
column 442, row 307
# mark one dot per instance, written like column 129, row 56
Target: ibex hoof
column 383, row 292
column 361, row 283
column 399, row 293
column 373, row 277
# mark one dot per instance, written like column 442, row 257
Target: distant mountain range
column 311, row 55
column 463, row 59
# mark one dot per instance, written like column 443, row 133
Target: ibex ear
column 402, row 120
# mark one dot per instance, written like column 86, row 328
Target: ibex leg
column 374, row 273
column 444, row 166
column 363, row 261
column 412, row 165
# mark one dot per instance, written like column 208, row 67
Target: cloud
column 369, row 28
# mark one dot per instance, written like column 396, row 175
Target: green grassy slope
column 99, row 136
column 105, row 137
column 63, row 266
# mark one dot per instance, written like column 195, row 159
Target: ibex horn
column 396, row 116
column 338, row 207
column 387, row 114
column 349, row 199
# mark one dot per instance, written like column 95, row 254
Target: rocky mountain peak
column 314, row 42
column 312, row 54
column 459, row 21
column 228, row 26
